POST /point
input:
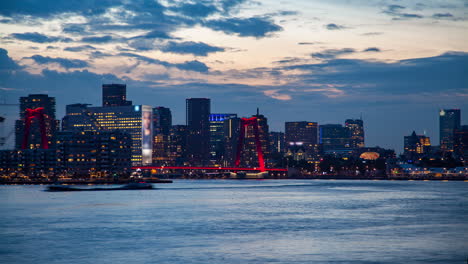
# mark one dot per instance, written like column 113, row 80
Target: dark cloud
column 245, row 27
column 38, row 37
column 372, row 33
column 442, row 15
column 309, row 43
column 372, row 49
column 79, row 48
column 333, row 26
column 190, row 47
column 65, row 63
column 194, row 65
column 195, row 9
column 79, row 29
column 98, row 39
column 332, row 53
column 6, row 63
column 397, row 12
column 154, row 34
column 46, row 8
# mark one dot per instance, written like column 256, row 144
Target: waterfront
column 225, row 221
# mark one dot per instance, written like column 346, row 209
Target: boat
column 129, row 186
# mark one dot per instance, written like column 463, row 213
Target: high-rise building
column 449, row 121
column 198, row 125
column 416, row 145
column 217, row 134
column 37, row 125
column 231, row 137
column 114, row 95
column 335, row 138
column 302, row 131
column 356, row 129
column 178, row 147
column 461, row 143
column 135, row 120
column 162, row 123
column 277, row 142
column 249, row 157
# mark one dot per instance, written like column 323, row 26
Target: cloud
column 332, row 53
column 65, row 63
column 190, row 47
column 333, row 26
column 38, row 37
column 442, row 15
column 79, row 48
column 275, row 95
column 396, row 12
column 6, row 63
column 98, row 39
column 195, row 9
column 194, row 65
column 309, row 43
column 372, row 33
column 258, row 27
column 372, row 49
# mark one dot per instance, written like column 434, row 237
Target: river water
column 226, row 221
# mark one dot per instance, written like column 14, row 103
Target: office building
column 449, row 121
column 198, row 125
column 277, row 142
column 135, row 120
column 231, row 137
column 217, row 135
column 101, row 153
column 335, row 139
column 356, row 130
column 114, row 95
column 178, row 147
column 162, row 123
column 249, row 156
column 461, row 143
column 302, row 131
column 415, row 146
column 37, row 125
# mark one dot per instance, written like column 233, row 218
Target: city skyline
column 308, row 60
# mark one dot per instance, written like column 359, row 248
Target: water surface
column 224, row 221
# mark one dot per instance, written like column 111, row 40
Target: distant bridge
column 235, row 169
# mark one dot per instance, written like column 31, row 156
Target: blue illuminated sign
column 137, row 108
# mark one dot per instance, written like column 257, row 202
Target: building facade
column 135, row 120
column 217, row 135
column 198, row 125
column 449, row 121
column 356, row 130
column 415, row 146
column 32, row 138
column 335, row 139
column 114, row 95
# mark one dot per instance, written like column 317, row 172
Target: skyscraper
column 335, row 138
column 198, row 125
column 449, row 121
column 217, row 134
column 114, row 95
column 277, row 142
column 162, row 118
column 356, row 130
column 37, row 125
column 302, row 131
column 162, row 123
column 249, row 157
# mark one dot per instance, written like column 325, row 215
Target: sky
column 393, row 62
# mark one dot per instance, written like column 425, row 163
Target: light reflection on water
column 216, row 221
